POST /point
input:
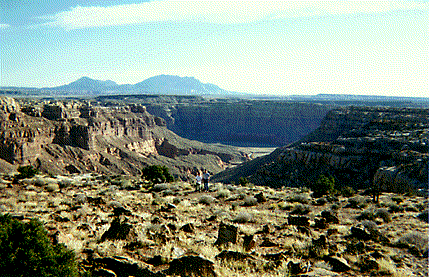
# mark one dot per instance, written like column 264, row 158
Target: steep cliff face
column 75, row 136
column 237, row 122
column 359, row 147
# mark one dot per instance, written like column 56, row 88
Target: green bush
column 347, row 191
column 157, row 174
column 26, row 250
column 27, row 171
column 242, row 181
column 324, row 185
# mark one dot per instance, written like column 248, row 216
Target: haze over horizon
column 259, row 47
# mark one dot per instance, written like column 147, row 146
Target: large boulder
column 227, row 233
column 192, row 266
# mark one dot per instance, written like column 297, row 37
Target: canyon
column 75, row 136
column 358, row 146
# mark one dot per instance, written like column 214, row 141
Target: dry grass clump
column 206, row 199
column 395, row 208
column 285, row 206
column 300, row 209
column 300, row 198
column 367, row 215
column 223, row 193
column 371, row 214
column 243, row 217
column 356, row 202
column 383, row 214
column 250, row 201
column 386, row 267
column 415, row 239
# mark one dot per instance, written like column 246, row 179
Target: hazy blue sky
column 289, row 47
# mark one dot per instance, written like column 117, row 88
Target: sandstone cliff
column 237, row 122
column 74, row 136
column 358, row 146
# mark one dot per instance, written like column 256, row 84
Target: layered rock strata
column 359, row 147
column 74, row 136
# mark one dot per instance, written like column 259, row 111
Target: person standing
column 198, row 178
column 206, row 177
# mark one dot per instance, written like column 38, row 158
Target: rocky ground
column 121, row 226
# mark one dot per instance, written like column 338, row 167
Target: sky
column 259, row 47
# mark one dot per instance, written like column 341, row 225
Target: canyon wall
column 359, row 147
column 73, row 136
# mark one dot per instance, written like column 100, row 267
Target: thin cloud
column 219, row 12
column 4, row 26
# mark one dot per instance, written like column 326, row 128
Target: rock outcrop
column 358, row 146
column 73, row 136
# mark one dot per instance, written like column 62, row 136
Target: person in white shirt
column 198, row 178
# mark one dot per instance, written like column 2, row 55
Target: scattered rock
column 248, row 242
column 296, row 268
column 96, row 200
column 233, row 256
column 299, row 220
column 118, row 230
column 187, row 228
column 120, row 211
column 102, row 272
column 260, row 197
column 368, row 264
column 320, row 223
column 192, row 266
column 227, row 233
column 330, row 217
column 266, row 229
column 52, row 187
column 122, row 266
column 338, row 264
column 268, row 243
column 160, row 187
column 80, row 198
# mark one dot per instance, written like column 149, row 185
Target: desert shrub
column 242, row 181
column 371, row 226
column 324, row 185
column 394, row 208
column 300, row 209
column 206, row 199
column 367, row 215
column 284, row 206
column 356, row 202
column 347, row 191
column 416, row 239
column 243, row 217
column 300, row 198
column 157, row 174
column 223, row 193
column 383, row 214
column 27, row 171
column 250, row 201
column 26, row 250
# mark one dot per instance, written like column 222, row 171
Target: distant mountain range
column 161, row 84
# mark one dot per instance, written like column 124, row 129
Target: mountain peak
column 159, row 84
